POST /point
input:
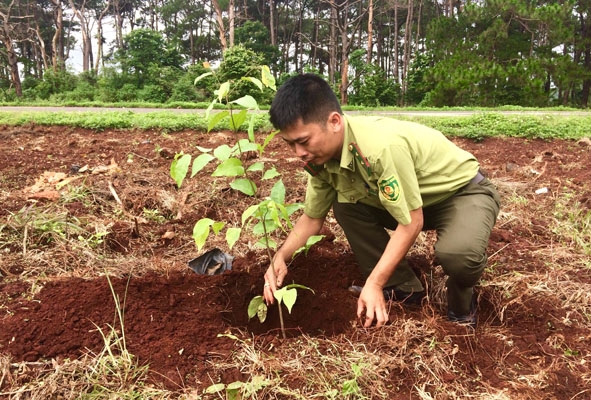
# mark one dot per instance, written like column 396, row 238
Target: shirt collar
column 347, row 161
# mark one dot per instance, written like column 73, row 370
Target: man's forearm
column 302, row 230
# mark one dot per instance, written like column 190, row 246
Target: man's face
column 316, row 143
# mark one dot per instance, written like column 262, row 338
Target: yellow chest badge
column 390, row 188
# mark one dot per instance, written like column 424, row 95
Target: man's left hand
column 372, row 306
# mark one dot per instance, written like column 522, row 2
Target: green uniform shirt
column 390, row 164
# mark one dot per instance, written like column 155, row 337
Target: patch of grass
column 153, row 215
column 572, row 223
column 492, row 124
column 477, row 126
column 99, row 121
column 38, row 227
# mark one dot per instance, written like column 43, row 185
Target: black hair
column 307, row 97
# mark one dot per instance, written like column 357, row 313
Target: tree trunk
column 370, row 31
column 231, row 21
column 84, row 31
column 407, row 45
column 315, row 58
column 99, row 42
column 332, row 43
column 57, row 42
column 418, row 35
column 41, row 44
column 118, row 13
column 6, row 38
column 585, row 21
column 220, row 23
column 396, row 40
column 299, row 36
column 272, row 22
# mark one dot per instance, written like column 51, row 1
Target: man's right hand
column 274, row 278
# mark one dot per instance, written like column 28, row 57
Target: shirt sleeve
column 398, row 187
column 319, row 197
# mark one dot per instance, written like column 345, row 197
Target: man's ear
column 335, row 122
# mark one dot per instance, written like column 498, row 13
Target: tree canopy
column 373, row 52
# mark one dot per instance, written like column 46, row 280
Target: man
column 379, row 173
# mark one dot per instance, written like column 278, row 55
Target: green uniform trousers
column 463, row 224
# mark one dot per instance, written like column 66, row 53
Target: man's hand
column 372, row 305
column 274, row 278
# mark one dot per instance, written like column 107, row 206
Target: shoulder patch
column 390, row 188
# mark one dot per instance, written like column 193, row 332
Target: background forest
column 374, row 52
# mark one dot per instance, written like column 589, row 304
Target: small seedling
column 286, row 295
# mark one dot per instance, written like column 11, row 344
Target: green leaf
column 278, row 192
column 232, row 236
column 249, row 212
column 298, row 286
column 273, row 213
column 233, row 392
column 222, row 152
column 209, row 108
column 284, row 215
column 255, row 167
column 217, row 226
column 204, row 75
column 288, row 294
column 270, row 226
column 203, row 149
column 266, row 243
column 262, row 312
column 245, row 186
column 223, row 90
column 291, row 208
column 201, row 231
column 267, row 78
column 237, row 119
column 235, row 385
column 255, row 306
column 289, row 298
column 216, row 118
column 245, row 145
column 179, row 168
column 216, row 388
column 256, row 81
column 271, row 173
column 230, row 167
column 200, row 162
column 312, row 240
column 247, row 101
column 268, row 139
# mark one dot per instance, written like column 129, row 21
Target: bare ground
column 115, row 220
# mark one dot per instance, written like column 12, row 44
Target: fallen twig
column 114, row 193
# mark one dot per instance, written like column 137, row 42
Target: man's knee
column 464, row 268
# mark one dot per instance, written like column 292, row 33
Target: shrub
column 84, row 91
column 371, row 85
column 240, row 62
column 152, row 93
column 127, row 93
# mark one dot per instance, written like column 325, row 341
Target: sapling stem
column 273, row 272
